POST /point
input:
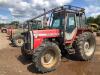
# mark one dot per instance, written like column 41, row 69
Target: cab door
column 71, row 28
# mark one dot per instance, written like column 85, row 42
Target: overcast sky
column 25, row 9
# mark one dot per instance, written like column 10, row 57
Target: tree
column 97, row 20
column 94, row 20
column 90, row 20
column 15, row 23
column 2, row 25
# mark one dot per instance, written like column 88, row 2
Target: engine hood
column 46, row 33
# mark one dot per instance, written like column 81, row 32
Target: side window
column 70, row 23
column 82, row 20
column 77, row 20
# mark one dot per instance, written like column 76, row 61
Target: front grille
column 27, row 40
column 27, row 46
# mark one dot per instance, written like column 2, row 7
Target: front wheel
column 4, row 31
column 18, row 41
column 47, row 57
column 85, row 46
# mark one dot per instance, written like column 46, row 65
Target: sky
column 22, row 10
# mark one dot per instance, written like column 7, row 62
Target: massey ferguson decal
column 48, row 35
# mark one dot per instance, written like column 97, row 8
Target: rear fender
column 80, row 31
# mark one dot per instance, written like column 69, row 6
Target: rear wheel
column 85, row 46
column 47, row 57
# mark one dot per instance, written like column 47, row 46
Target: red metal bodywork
column 39, row 35
column 10, row 31
column 77, row 33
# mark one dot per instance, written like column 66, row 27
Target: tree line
column 13, row 23
column 95, row 20
column 90, row 19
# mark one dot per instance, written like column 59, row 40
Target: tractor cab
column 68, row 19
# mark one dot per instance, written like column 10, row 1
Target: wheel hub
column 19, row 42
column 88, row 49
column 48, row 59
column 86, row 46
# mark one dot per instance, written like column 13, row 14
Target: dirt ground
column 13, row 63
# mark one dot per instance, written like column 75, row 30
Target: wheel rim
column 19, row 42
column 89, row 47
column 49, row 59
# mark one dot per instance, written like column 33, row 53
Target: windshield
column 57, row 22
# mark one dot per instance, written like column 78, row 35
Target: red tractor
column 4, row 30
column 67, row 31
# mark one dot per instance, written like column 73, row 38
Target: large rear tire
column 85, row 46
column 47, row 57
